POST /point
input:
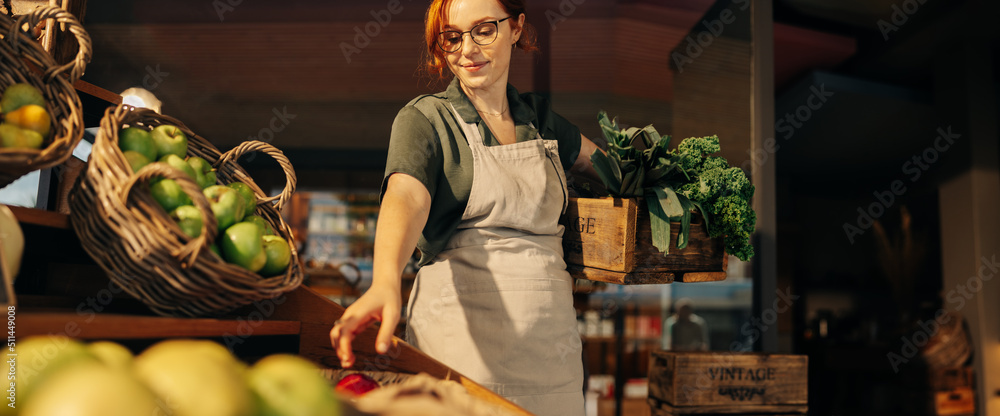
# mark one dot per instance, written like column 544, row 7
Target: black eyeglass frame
column 495, row 23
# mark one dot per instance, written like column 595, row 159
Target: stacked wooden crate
column 731, row 383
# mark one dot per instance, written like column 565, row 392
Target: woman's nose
column 469, row 46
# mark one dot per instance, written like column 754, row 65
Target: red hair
column 435, row 62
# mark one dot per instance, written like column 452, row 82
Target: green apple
column 137, row 139
column 92, row 389
column 226, row 203
column 215, row 249
column 189, row 219
column 195, row 378
column 264, row 225
column 14, row 137
column 170, row 140
column 41, row 357
column 204, row 175
column 135, row 160
column 278, row 253
column 249, row 197
column 243, row 245
column 112, row 354
column 169, row 194
column 287, row 385
column 19, row 95
column 178, row 163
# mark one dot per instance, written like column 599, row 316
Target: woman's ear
column 519, row 29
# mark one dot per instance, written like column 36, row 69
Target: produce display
column 677, row 182
column 356, row 385
column 181, row 377
column 244, row 239
column 26, row 123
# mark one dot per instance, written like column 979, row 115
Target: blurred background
column 868, row 127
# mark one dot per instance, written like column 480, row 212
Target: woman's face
column 481, row 66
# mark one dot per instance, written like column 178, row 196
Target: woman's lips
column 473, row 67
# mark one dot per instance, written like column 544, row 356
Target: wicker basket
column 143, row 250
column 22, row 59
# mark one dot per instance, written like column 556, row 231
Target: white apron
column 497, row 304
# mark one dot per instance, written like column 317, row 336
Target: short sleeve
column 568, row 135
column 414, row 149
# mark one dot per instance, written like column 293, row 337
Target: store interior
column 875, row 157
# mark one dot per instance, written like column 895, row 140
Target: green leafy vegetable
column 677, row 182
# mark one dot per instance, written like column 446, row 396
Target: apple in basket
column 170, row 140
column 178, row 163
column 356, row 384
column 137, row 139
column 19, row 95
column 242, row 244
column 249, row 198
column 12, row 136
column 226, row 203
column 204, row 175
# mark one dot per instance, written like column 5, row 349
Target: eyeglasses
column 483, row 34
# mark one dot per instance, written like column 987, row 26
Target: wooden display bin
column 609, row 240
column 682, row 383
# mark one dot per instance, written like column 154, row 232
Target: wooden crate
column 728, row 383
column 609, row 240
column 959, row 401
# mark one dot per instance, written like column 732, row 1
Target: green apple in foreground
column 204, row 175
column 264, row 225
column 92, row 389
column 178, row 163
column 169, row 194
column 188, row 218
column 242, row 244
column 112, row 354
column 278, row 254
column 19, row 95
column 249, row 197
column 137, row 139
column 170, row 140
column 195, row 378
column 287, row 385
column 135, row 160
column 226, row 203
column 12, row 136
column 41, row 357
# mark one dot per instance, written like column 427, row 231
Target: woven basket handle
column 65, row 19
column 256, row 145
column 209, row 226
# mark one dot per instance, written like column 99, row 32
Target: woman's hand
column 379, row 303
column 402, row 216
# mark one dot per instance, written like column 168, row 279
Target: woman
column 475, row 179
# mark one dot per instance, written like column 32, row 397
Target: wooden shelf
column 40, row 217
column 124, row 326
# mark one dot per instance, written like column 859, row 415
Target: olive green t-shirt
column 427, row 143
